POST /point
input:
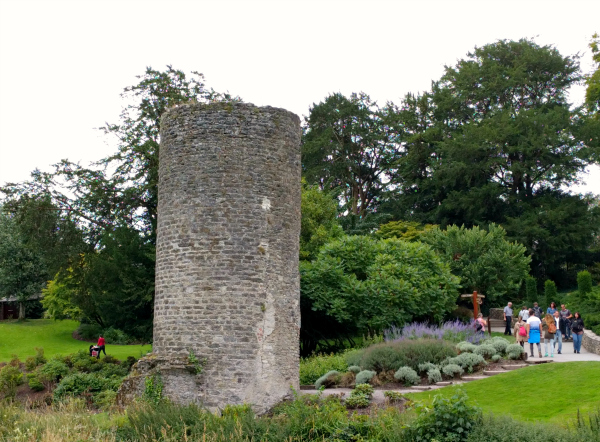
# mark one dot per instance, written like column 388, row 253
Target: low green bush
column 364, row 377
column 466, row 347
column 53, row 370
column 515, row 351
column 34, row 382
column 89, row 332
column 434, row 375
column 313, row 367
column 353, row 357
column 424, row 368
column 105, row 399
column 499, row 344
column 393, row 396
column 452, row 370
column 450, row 419
column 485, row 350
column 116, row 337
column 77, row 383
column 83, row 362
column 407, row 376
column 360, row 397
column 327, row 380
column 410, row 353
column 468, row 361
column 10, row 378
column 354, row 369
column 496, row 358
column 357, row 401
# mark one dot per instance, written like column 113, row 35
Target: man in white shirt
column 524, row 313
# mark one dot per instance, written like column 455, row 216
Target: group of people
column 554, row 325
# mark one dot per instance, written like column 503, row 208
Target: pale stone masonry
column 591, row 342
column 227, row 281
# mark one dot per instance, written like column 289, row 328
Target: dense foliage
column 358, row 284
column 22, row 272
column 483, row 259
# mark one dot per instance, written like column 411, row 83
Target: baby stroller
column 95, row 351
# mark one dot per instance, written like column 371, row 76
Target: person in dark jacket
column 577, row 329
column 561, row 330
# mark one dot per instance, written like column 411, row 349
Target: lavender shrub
column 453, row 331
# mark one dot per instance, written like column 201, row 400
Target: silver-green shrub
column 407, row 375
column 434, row 375
column 466, row 347
column 468, row 361
column 324, row 380
column 452, row 370
column 354, row 369
column 424, row 368
column 364, row 377
column 485, row 350
column 514, row 351
column 499, row 344
column 496, row 358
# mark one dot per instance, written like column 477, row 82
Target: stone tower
column 227, row 282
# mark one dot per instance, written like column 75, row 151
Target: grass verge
column 55, row 337
column 548, row 392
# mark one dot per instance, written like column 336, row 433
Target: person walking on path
column 520, row 331
column 561, row 327
column 508, row 312
column 565, row 313
column 577, row 327
column 550, row 310
column 549, row 326
column 534, row 328
column 524, row 313
column 537, row 311
column 101, row 346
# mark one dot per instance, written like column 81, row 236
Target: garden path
column 567, row 352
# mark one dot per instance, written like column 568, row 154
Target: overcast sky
column 64, row 63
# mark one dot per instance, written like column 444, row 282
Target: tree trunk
column 21, row 311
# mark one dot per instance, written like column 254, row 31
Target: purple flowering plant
column 454, row 331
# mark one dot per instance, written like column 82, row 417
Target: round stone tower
column 227, row 281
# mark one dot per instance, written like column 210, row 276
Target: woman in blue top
column 534, row 327
column 550, row 310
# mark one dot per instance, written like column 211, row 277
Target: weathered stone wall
column 497, row 313
column 227, row 282
column 591, row 342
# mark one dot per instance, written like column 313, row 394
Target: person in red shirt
column 101, row 346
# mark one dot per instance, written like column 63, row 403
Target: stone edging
column 591, row 342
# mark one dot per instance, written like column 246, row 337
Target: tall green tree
column 49, row 231
column 483, row 259
column 359, row 285
column 114, row 202
column 494, row 138
column 319, row 223
column 348, row 146
column 22, row 271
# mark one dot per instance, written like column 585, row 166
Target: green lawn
column 548, row 392
column 55, row 337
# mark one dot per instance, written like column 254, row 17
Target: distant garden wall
column 591, row 342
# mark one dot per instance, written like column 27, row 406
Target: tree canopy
column 359, row 284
